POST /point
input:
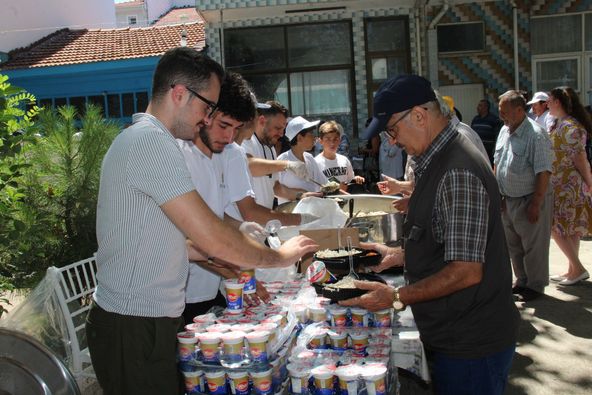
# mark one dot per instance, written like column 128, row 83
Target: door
column 466, row 97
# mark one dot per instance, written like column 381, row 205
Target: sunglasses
column 213, row 106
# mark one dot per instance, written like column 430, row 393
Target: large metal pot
column 383, row 228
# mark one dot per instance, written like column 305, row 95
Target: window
column 461, row 37
column 127, row 100
column 565, row 61
column 387, row 51
column 132, row 20
column 544, row 30
column 141, row 101
column 98, row 101
column 113, row 108
column 554, row 73
column 59, row 102
column 78, row 103
column 46, row 103
column 307, row 67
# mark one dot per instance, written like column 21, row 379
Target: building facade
column 325, row 58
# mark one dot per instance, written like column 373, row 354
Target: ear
column 176, row 93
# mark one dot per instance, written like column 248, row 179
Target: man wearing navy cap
column 455, row 255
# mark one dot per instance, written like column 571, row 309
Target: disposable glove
column 306, row 218
column 298, row 168
column 254, row 231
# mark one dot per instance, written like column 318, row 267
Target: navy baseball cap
column 396, row 95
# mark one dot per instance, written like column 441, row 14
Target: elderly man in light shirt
column 523, row 165
column 540, row 111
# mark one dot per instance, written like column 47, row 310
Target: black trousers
column 134, row 355
column 193, row 309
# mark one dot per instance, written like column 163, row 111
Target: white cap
column 298, row 124
column 539, row 96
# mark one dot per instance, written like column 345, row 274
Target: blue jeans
column 480, row 376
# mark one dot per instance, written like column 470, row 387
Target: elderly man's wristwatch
column 397, row 304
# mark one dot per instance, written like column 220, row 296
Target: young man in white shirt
column 330, row 162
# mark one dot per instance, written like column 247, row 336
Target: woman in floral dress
column 571, row 180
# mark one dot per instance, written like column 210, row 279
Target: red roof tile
column 179, row 15
column 84, row 46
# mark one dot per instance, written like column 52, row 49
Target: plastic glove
column 306, row 218
column 298, row 168
column 253, row 230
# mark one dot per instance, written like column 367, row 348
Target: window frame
column 584, row 79
column 464, row 52
column 288, row 70
column 129, row 20
column 372, row 86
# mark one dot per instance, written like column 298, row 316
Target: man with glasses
column 455, row 255
column 150, row 220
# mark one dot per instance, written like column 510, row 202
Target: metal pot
column 385, row 228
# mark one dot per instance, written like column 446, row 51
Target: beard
column 205, row 138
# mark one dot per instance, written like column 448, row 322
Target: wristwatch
column 397, row 304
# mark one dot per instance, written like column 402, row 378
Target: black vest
column 479, row 320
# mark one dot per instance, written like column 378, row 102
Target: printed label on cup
column 234, row 295
column 216, row 383
column 247, row 277
column 194, row 382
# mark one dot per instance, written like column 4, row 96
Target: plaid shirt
column 461, row 211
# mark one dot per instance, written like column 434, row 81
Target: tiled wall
column 357, row 18
column 495, row 68
column 216, row 4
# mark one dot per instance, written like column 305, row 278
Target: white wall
column 158, row 7
column 122, row 15
column 25, row 21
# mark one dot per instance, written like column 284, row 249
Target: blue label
column 323, row 391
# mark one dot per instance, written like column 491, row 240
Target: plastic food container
column 348, row 379
column 375, row 377
column 216, row 381
column 262, row 382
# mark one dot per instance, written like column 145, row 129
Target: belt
column 505, row 197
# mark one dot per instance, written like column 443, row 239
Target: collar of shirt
column 422, row 161
column 520, row 129
column 142, row 116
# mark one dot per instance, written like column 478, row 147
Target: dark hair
column 302, row 133
column 570, row 102
column 486, row 101
column 275, row 109
column 236, row 99
column 184, row 65
column 515, row 98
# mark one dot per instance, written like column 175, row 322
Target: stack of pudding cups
column 382, row 318
column 359, row 317
column 323, row 379
column 209, row 344
column 234, row 296
column 247, row 277
column 187, row 344
column 258, row 342
column 262, row 382
column 216, row 382
column 298, row 379
column 232, row 352
column 239, row 382
column 317, row 313
column 374, row 375
column 194, row 382
column 348, row 379
column 359, row 343
column 338, row 316
column 338, row 340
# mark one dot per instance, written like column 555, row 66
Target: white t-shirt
column 545, row 120
column 340, row 167
column 263, row 186
column 208, row 177
column 290, row 180
column 239, row 180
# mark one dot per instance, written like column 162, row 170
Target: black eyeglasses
column 213, row 106
column 391, row 129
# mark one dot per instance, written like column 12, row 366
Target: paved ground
column 554, row 354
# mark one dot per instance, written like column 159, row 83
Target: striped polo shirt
column 142, row 258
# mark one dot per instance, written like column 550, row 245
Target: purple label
column 250, row 286
column 234, row 301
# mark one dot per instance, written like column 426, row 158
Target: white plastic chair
column 75, row 285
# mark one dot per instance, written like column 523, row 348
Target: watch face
column 398, row 305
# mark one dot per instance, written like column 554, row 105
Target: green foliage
column 15, row 132
column 49, row 178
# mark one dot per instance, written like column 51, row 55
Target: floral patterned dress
column 572, row 208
